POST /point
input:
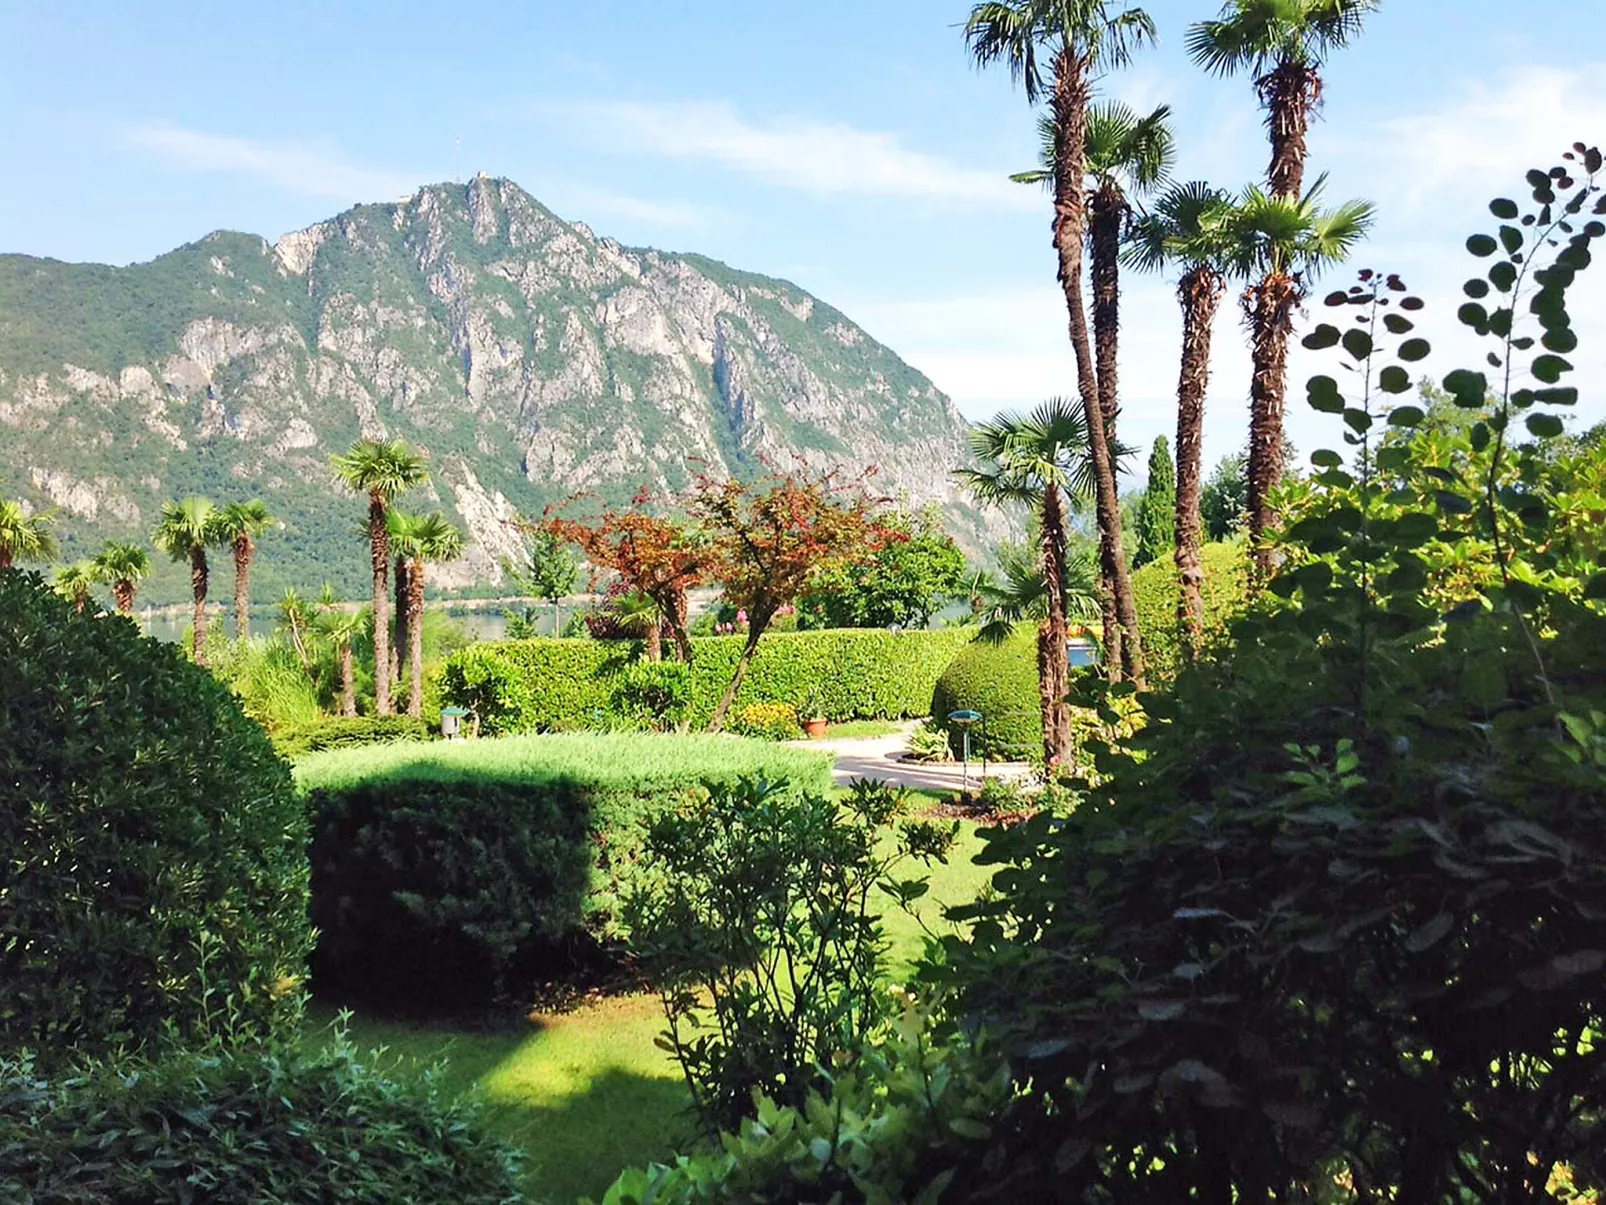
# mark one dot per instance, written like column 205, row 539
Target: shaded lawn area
column 586, row 1094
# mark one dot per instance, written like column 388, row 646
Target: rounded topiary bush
column 154, row 879
column 1000, row 681
column 270, row 1127
column 1156, row 589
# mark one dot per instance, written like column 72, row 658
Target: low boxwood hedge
column 272, row 1127
column 542, row 685
column 451, row 874
column 343, row 732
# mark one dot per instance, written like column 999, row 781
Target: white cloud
column 812, row 156
column 298, row 167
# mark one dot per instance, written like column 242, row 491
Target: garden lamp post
column 452, row 722
column 963, row 720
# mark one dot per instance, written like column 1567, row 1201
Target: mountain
column 528, row 357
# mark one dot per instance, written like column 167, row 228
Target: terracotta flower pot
column 815, row 729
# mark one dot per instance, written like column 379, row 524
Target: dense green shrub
column 538, row 685
column 1000, row 681
column 753, row 917
column 343, row 732
column 1156, row 589
column 445, row 874
column 653, row 694
column 908, row 1118
column 154, row 876
column 271, row 1128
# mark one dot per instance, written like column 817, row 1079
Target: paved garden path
column 884, row 757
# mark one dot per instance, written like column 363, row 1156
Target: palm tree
column 382, row 470
column 76, row 583
column 1186, row 229
column 430, row 539
column 185, row 531
column 296, row 615
column 24, row 537
column 1283, row 42
column 1043, row 461
column 238, row 525
column 1283, row 245
column 1055, row 48
column 340, row 628
column 400, row 526
column 637, row 613
column 122, row 567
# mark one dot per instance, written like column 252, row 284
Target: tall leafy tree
column 24, row 536
column 239, row 524
column 771, row 537
column 1283, row 245
column 1054, row 49
column 918, row 570
column 1157, row 511
column 1283, row 43
column 184, row 532
column 1224, row 501
column 549, row 571
column 1187, row 230
column 122, row 567
column 430, row 540
column 76, row 583
column 382, row 470
column 1043, row 461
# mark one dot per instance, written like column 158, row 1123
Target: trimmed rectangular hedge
column 860, row 674
column 448, row 874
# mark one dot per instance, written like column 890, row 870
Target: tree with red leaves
column 770, row 537
column 657, row 557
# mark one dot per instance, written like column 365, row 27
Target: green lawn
column 849, row 729
column 587, row 1093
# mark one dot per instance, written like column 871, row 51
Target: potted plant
column 812, row 713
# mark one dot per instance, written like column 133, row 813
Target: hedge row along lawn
column 539, row 685
column 586, row 1093
column 447, row 874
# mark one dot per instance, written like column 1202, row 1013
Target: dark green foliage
column 154, row 880
column 537, row 685
column 1155, row 589
column 653, row 694
column 266, row 1127
column 343, row 732
column 903, row 584
column 1000, row 681
column 1334, row 915
column 753, row 916
column 1157, row 511
column 449, row 876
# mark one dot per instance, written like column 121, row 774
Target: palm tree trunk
column 1088, row 387
column 1270, row 308
column 655, row 640
column 242, row 585
column 348, row 681
column 398, row 652
column 1108, row 217
column 1200, row 293
column 415, row 636
column 1053, row 673
column 379, row 556
column 123, row 595
column 5, row 556
column 1289, row 94
column 198, row 585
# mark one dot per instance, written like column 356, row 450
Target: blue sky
column 849, row 147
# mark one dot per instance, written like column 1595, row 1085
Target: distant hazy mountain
column 528, row 357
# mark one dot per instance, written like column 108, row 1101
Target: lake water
column 171, row 625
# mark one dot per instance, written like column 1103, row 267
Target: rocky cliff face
column 529, row 358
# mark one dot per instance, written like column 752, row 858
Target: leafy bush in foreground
column 753, row 916
column 271, row 1128
column 154, row 879
column 444, row 872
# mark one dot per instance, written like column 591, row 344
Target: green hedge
column 268, row 1127
column 541, row 685
column 446, row 875
column 1000, row 681
column 1156, row 588
column 344, row 732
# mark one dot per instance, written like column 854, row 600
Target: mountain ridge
column 531, row 358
